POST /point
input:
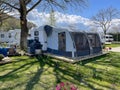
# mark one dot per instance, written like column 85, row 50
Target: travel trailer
column 10, row 37
column 108, row 39
column 14, row 36
column 72, row 43
column 40, row 35
column 67, row 42
column 3, row 37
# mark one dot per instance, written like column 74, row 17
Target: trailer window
column 36, row 33
column 2, row 35
column 36, row 38
column 10, row 35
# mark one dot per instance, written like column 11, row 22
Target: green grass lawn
column 112, row 45
column 25, row 73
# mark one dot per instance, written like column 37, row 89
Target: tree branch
column 10, row 5
column 104, row 18
column 27, row 2
column 34, row 6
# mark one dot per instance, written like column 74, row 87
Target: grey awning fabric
column 48, row 30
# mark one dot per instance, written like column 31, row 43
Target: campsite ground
column 113, row 45
column 26, row 73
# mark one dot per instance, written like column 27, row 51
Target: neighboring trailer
column 14, row 36
column 10, row 37
column 3, row 37
column 108, row 39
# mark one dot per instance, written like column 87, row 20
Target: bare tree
column 116, row 30
column 25, row 6
column 4, row 9
column 104, row 18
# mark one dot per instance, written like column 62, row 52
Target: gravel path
column 116, row 49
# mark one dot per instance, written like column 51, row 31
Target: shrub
column 1, row 57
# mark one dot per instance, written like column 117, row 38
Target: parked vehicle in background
column 108, row 39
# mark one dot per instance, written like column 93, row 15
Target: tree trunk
column 105, row 31
column 24, row 33
column 23, row 23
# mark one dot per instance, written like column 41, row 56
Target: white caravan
column 108, row 39
column 39, row 33
column 3, row 36
column 14, row 36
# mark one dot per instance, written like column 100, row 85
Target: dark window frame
column 62, row 41
column 2, row 35
column 36, row 33
column 10, row 35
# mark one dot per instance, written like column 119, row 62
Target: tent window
column 62, row 41
column 81, row 41
column 94, row 40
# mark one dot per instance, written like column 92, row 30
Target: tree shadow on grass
column 12, row 73
column 92, row 59
column 35, row 79
column 61, row 73
column 79, row 77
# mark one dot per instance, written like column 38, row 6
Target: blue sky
column 94, row 6
column 73, row 16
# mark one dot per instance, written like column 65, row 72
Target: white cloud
column 64, row 20
column 61, row 19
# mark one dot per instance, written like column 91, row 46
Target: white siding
column 15, row 36
column 42, row 36
column 3, row 39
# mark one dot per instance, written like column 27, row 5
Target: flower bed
column 66, row 86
